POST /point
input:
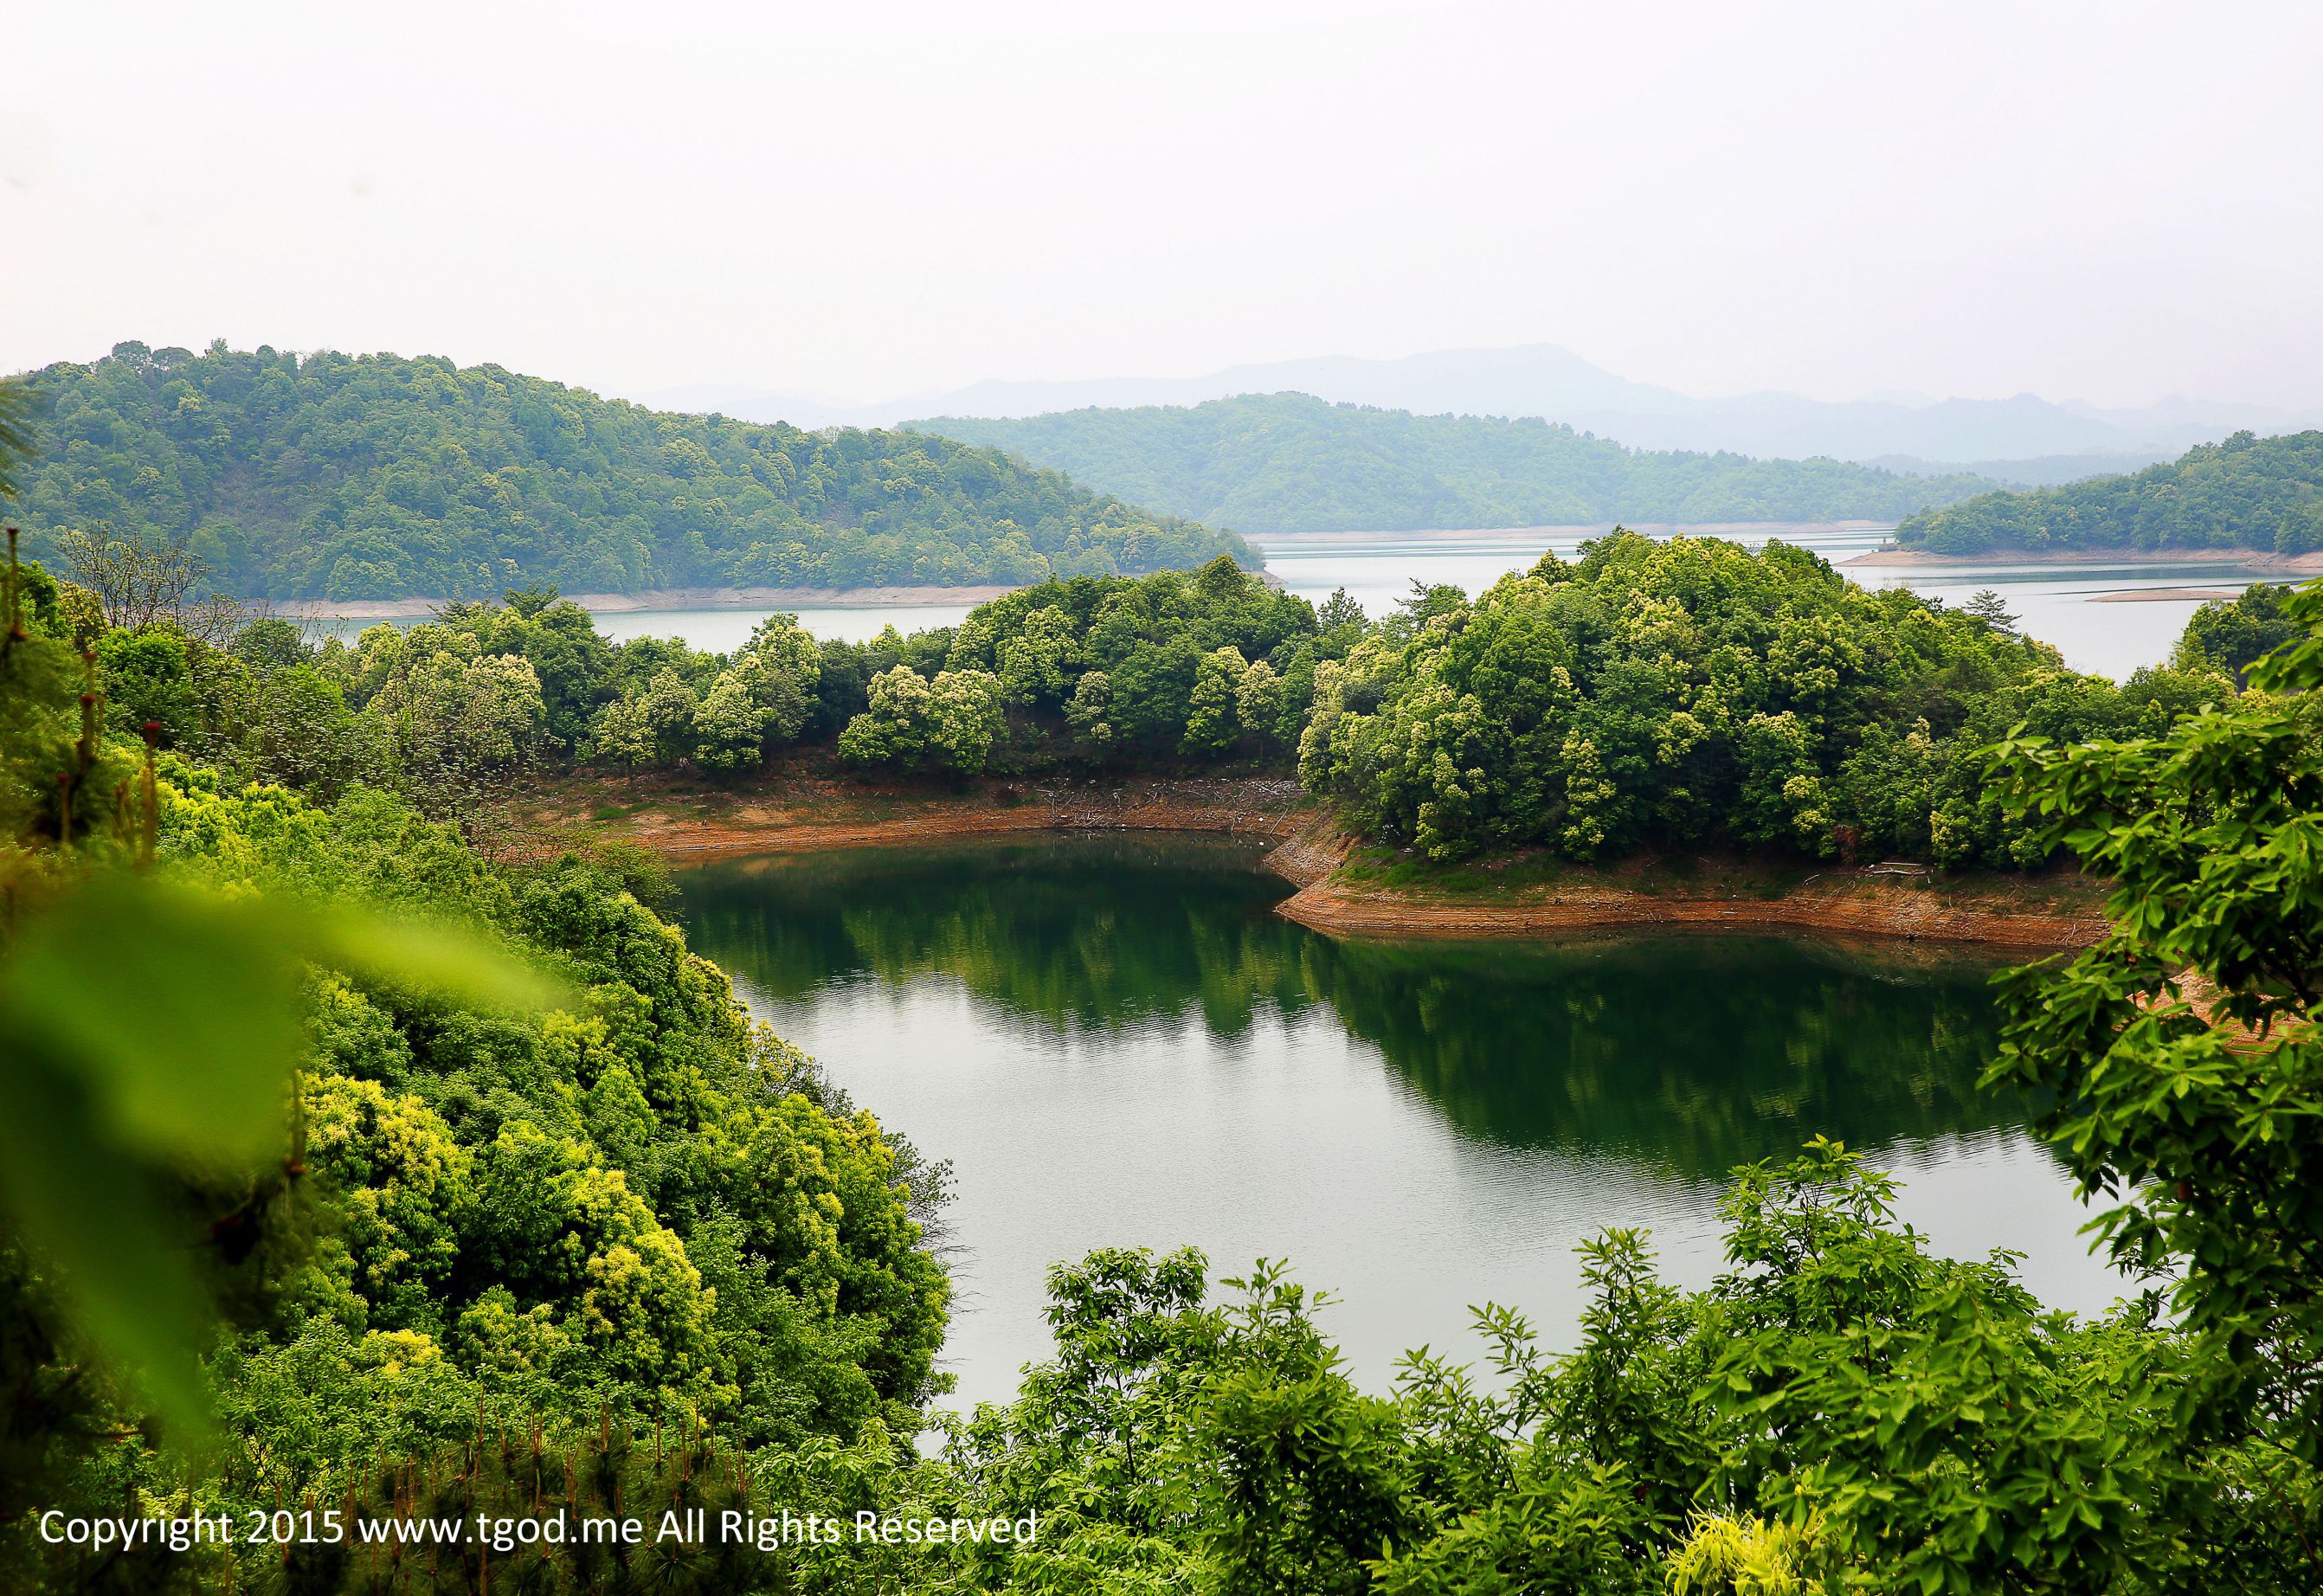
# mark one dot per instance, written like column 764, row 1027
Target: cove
column 1115, row 1041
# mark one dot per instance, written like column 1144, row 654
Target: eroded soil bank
column 2261, row 559
column 1341, row 890
column 1346, row 887
column 803, row 813
column 670, row 597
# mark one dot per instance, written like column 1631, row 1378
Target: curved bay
column 1119, row 1043
column 1695, row 1051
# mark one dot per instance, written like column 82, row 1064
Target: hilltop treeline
column 1287, row 463
column 2247, row 493
column 344, row 477
column 1651, row 695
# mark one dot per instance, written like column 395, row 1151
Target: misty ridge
column 2024, row 440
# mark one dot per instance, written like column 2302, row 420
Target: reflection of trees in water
column 1697, row 1052
column 1098, row 933
column 1702, row 1054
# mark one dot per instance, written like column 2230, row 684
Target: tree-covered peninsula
column 350, row 477
column 1651, row 696
column 1265, row 463
column 2247, row 493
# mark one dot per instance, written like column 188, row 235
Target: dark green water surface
column 1116, row 1042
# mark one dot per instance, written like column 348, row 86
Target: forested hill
column 334, row 476
column 1287, row 462
column 2246, row 492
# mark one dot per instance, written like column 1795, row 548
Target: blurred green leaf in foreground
column 150, row 1033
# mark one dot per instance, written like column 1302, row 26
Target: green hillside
column 1287, row 463
column 334, row 476
column 2246, row 492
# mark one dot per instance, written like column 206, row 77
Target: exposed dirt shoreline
column 1853, row 903
column 1335, row 895
column 1563, row 531
column 2261, row 559
column 808, row 815
column 672, row 598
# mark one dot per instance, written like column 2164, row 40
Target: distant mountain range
column 1905, row 433
column 1266, row 465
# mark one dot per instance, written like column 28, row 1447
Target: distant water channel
column 2069, row 605
column 2054, row 603
column 1117, row 1043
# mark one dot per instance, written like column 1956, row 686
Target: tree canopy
column 1286, row 462
column 2248, row 493
column 1687, row 692
column 343, row 477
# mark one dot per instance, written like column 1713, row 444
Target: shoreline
column 2164, row 595
column 671, row 598
column 2256, row 558
column 1305, row 848
column 1288, row 540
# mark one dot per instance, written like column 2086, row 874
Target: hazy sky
column 2107, row 201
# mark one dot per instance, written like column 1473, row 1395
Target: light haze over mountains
column 2046, row 439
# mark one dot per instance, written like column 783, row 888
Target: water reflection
column 1693, row 1053
column 1119, row 1044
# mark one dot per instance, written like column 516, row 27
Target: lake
column 2054, row 603
column 1116, row 1042
column 2059, row 604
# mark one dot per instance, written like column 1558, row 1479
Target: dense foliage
column 620, row 1206
column 2179, row 1056
column 2247, row 493
column 2228, row 636
column 1687, row 692
column 1654, row 695
column 1287, row 463
column 1168, row 669
column 1839, row 1411
column 335, row 477
column 602, row 1244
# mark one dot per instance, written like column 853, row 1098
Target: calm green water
column 1116, row 1042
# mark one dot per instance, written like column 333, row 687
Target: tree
column 2177, row 1060
column 780, row 670
column 651, row 724
column 2229, row 635
column 1092, row 701
column 1339, row 611
column 894, row 727
column 967, row 714
column 16, row 448
column 953, row 721
column 269, row 643
column 1212, row 709
column 729, row 729
column 1988, row 607
column 144, row 577
column 459, row 731
column 1259, row 704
